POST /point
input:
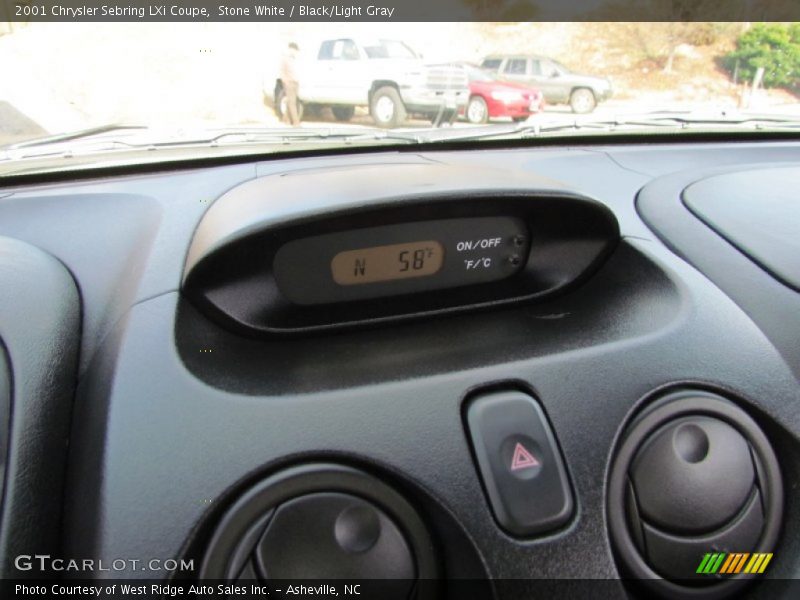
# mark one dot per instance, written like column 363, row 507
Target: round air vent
column 695, row 497
column 324, row 522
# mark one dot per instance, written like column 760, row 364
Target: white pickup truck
column 386, row 76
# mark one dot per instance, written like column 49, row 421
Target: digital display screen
column 387, row 263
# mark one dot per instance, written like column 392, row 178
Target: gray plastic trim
column 40, row 328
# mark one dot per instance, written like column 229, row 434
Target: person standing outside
column 288, row 75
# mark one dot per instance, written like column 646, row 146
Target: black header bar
column 398, row 10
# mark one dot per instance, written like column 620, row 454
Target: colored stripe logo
column 734, row 562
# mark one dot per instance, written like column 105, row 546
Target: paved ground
column 613, row 109
column 325, row 117
column 557, row 114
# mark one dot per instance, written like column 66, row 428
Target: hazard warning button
column 523, row 456
column 518, row 459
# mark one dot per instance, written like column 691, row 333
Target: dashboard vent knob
column 334, row 536
column 322, row 522
column 694, row 478
column 693, row 475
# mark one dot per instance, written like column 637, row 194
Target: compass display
column 387, row 263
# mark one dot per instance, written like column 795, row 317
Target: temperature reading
column 387, row 263
column 415, row 261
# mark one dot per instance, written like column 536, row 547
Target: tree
column 773, row 47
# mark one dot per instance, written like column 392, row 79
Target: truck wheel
column 477, row 111
column 280, row 105
column 343, row 113
column 280, row 102
column 386, row 107
column 582, row 101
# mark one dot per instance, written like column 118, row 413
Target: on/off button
column 518, row 459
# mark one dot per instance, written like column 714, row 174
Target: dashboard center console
column 487, row 373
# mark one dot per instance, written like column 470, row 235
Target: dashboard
column 457, row 373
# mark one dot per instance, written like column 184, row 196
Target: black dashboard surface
column 175, row 414
column 759, row 213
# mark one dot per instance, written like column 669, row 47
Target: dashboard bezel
column 570, row 236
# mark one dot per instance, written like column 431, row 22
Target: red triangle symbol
column 522, row 458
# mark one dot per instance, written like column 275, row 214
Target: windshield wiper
column 673, row 121
column 140, row 138
column 249, row 135
column 73, row 135
column 627, row 124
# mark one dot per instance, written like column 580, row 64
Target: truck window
column 348, row 50
column 549, row 69
column 338, row 50
column 536, row 67
column 492, row 63
column 326, row 50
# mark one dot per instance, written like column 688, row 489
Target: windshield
column 75, row 87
